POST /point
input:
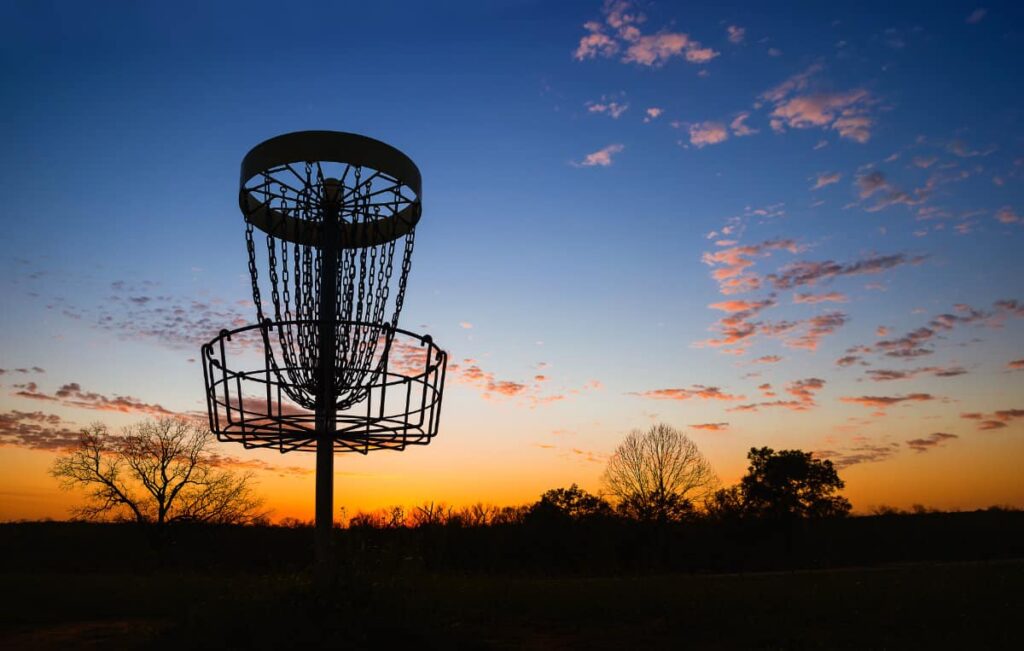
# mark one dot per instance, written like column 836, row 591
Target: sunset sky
column 797, row 226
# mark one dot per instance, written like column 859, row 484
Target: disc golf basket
column 326, row 368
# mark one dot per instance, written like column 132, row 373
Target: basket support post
column 326, row 414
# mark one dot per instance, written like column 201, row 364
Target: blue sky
column 583, row 164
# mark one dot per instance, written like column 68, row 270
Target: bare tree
column 157, row 471
column 658, row 474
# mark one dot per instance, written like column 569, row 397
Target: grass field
column 948, row 605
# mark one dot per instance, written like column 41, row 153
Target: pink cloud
column 826, row 178
column 707, row 133
column 739, row 125
column 844, row 112
column 1006, row 215
column 731, row 264
column 609, row 107
column 736, row 34
column 621, row 28
column 595, row 43
column 601, row 157
column 711, row 427
column 653, row 113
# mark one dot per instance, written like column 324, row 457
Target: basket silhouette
column 248, row 399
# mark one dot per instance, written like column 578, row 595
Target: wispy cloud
column 740, row 127
column 976, row 16
column 731, row 264
column 886, row 375
column 610, row 107
column 36, row 430
column 601, row 157
column 826, row 178
column 881, row 402
column 996, row 420
column 813, row 299
column 917, row 342
column 696, row 391
column 802, row 393
column 798, row 274
column 931, row 441
column 845, row 112
column 711, row 427
column 736, row 34
column 861, row 452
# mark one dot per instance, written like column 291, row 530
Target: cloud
column 36, row 430
column 976, row 16
column 133, row 312
column 1015, row 365
column 875, row 185
column 711, row 427
column 931, row 441
column 698, row 391
column 798, row 274
column 863, row 452
column 739, row 125
column 731, row 264
column 653, row 113
column 768, row 359
column 881, row 402
column 803, row 392
column 736, row 34
column 601, row 157
column 611, row 108
column 813, row 299
column 595, row 43
column 23, row 371
column 996, row 420
column 707, row 133
column 533, row 392
column 796, row 83
column 621, row 29
column 466, row 325
column 961, row 149
column 1006, row 215
column 915, row 343
column 845, row 112
column 72, row 395
column 736, row 327
column 817, row 327
column 885, row 375
column 826, row 178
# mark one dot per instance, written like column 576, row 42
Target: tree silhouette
column 157, row 472
column 573, row 503
column 790, row 484
column 657, row 475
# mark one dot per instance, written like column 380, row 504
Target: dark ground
column 106, row 586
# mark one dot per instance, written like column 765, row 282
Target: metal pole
column 326, row 408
